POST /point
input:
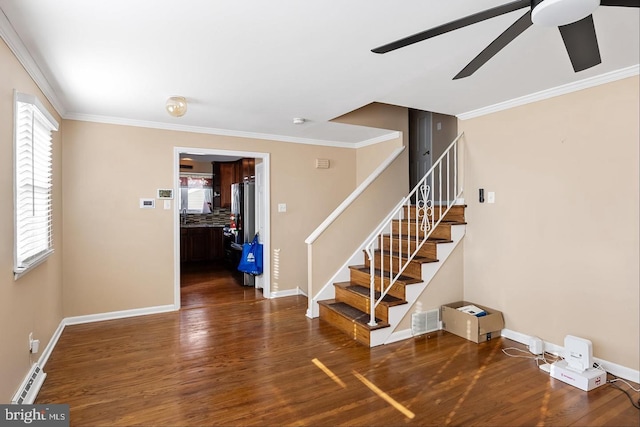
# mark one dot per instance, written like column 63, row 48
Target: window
column 33, row 236
column 196, row 193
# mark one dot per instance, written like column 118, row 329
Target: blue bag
column 251, row 260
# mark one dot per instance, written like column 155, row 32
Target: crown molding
column 225, row 132
column 13, row 41
column 612, row 76
column 378, row 139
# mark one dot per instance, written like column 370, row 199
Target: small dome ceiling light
column 176, row 106
column 298, row 120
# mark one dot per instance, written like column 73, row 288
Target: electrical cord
column 615, row 379
column 543, row 356
column 537, row 358
column 635, row 404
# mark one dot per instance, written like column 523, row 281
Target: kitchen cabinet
column 199, row 241
column 227, row 177
column 231, row 173
column 248, row 169
column 183, row 244
column 217, row 244
column 215, row 166
column 201, row 244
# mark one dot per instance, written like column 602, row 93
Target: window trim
column 22, row 266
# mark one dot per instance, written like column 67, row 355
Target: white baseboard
column 112, row 315
column 44, row 357
column 612, row 368
column 288, row 293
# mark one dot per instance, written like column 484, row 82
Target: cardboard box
column 473, row 328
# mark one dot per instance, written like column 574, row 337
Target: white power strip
column 587, row 380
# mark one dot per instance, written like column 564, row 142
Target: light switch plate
column 491, row 197
column 282, row 207
column 167, row 204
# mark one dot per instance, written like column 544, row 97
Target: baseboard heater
column 30, row 387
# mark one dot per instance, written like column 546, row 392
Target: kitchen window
column 196, row 193
column 33, row 234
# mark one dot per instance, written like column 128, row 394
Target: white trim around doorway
column 265, row 237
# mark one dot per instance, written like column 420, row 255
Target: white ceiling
column 252, row 66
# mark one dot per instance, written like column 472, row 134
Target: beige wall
column 32, row 303
column 343, row 237
column 119, row 257
column 446, row 286
column 558, row 251
column 370, row 157
column 441, row 138
column 340, row 240
column 382, row 116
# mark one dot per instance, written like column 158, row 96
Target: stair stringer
column 413, row 292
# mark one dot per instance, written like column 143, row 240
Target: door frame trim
column 266, row 200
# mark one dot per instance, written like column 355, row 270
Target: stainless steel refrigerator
column 243, row 206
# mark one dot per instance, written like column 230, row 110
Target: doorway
column 419, row 145
column 216, row 271
column 430, row 134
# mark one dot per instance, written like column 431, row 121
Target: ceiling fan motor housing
column 555, row 13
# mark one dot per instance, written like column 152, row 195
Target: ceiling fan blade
column 453, row 25
column 625, row 3
column 500, row 42
column 581, row 43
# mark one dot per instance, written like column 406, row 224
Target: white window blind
column 32, row 180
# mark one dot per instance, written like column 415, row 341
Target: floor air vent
column 30, row 387
column 426, row 321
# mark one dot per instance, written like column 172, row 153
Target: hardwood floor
column 230, row 357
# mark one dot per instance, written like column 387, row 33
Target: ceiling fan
column 572, row 17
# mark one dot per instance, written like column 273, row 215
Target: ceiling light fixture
column 176, row 106
column 298, row 120
column 555, row 13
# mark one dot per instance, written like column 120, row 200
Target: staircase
column 349, row 310
column 399, row 258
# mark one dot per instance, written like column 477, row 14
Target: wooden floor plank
column 230, row 357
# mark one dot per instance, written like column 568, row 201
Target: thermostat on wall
column 165, row 193
column 147, row 203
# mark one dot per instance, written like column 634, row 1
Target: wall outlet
column 536, row 346
column 34, row 345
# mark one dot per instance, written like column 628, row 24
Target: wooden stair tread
column 450, row 222
column 388, row 300
column 417, row 258
column 407, row 280
column 429, row 240
column 353, row 314
column 442, row 222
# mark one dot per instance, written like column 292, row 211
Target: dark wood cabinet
column 231, row 173
column 215, row 166
column 248, row 167
column 183, row 244
column 227, row 177
column 217, row 244
column 201, row 244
